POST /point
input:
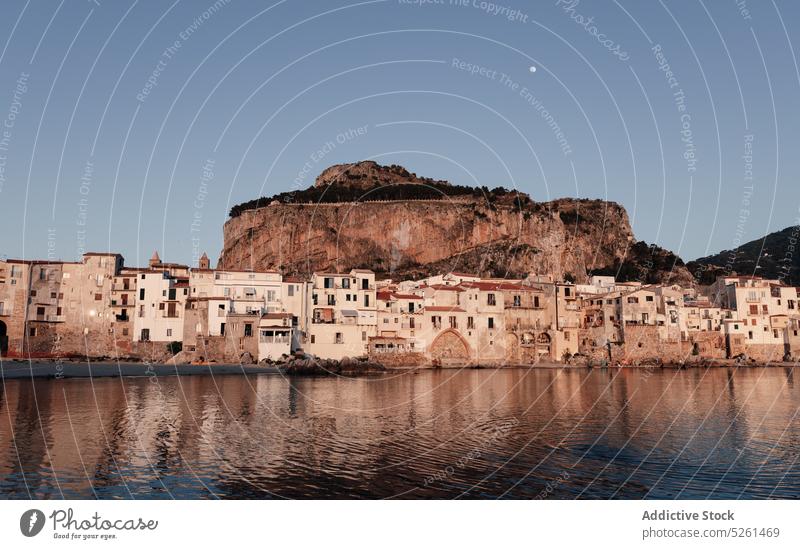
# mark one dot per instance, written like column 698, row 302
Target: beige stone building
column 343, row 314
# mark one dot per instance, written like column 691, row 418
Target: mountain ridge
column 363, row 215
column 772, row 256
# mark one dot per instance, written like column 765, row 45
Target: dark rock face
column 493, row 233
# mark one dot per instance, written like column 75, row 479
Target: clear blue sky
column 113, row 112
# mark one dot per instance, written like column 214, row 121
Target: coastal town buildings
column 343, row 314
column 99, row 307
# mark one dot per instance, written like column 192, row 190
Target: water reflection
column 443, row 434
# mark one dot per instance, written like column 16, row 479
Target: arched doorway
column 450, row 348
column 512, row 348
column 3, row 338
column 543, row 345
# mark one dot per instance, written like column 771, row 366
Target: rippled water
column 443, row 434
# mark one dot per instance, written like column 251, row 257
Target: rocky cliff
column 446, row 228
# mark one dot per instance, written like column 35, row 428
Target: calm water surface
column 438, row 434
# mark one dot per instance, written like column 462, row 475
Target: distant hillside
column 773, row 256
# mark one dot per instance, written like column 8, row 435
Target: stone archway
column 450, row 347
column 543, row 345
column 512, row 348
column 3, row 339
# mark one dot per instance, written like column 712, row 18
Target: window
column 141, row 292
column 172, row 294
column 567, row 291
column 775, row 334
column 338, row 339
column 749, row 335
column 15, row 271
column 270, row 294
column 411, row 323
column 366, row 299
column 222, row 329
column 290, row 290
column 790, row 303
column 386, row 321
column 491, row 323
column 536, row 301
column 98, row 297
column 331, row 300
column 363, row 336
column 161, row 306
column 248, row 330
column 411, row 307
column 566, row 336
column 436, row 321
column 145, row 335
column 753, row 309
column 53, row 295
column 764, row 309
column 517, row 301
column 32, row 332
column 169, row 332
column 124, row 331
column 313, row 338
column 365, row 283
column 490, row 299
column 347, row 298
column 470, row 323
column 33, row 293
column 39, row 311
column 633, row 300
column 346, row 283
column 221, row 310
column 453, row 323
column 648, row 298
column 328, row 283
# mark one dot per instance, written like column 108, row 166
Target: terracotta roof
column 408, row 296
column 438, row 308
column 276, row 316
column 500, row 286
column 444, row 287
